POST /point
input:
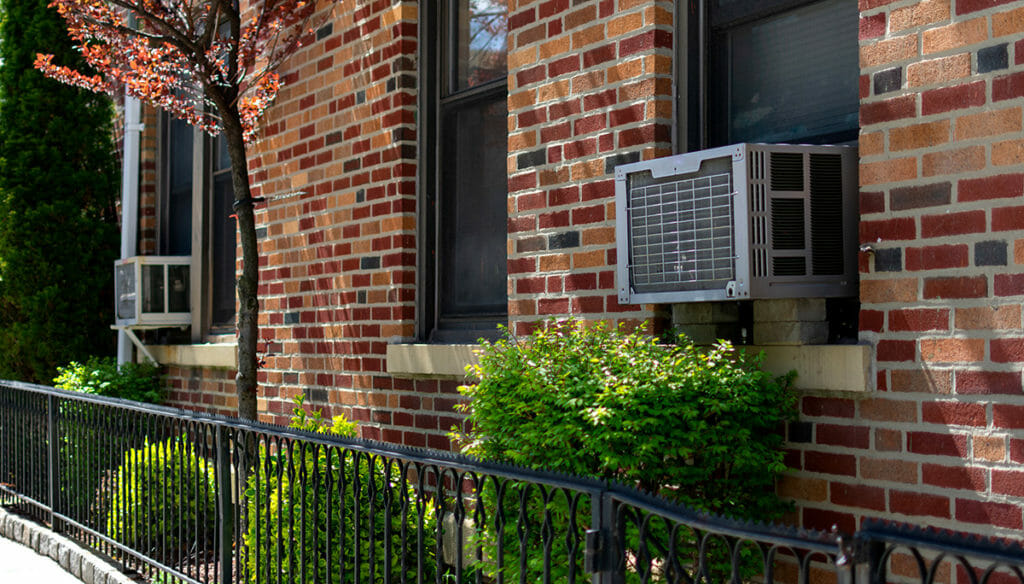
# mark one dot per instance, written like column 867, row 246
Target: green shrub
column 163, row 501
column 86, row 454
column 103, row 376
column 293, row 513
column 699, row 427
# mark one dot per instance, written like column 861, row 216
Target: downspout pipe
column 129, row 200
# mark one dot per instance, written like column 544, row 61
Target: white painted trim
column 129, row 198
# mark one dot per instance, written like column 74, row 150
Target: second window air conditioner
column 152, row 291
column 738, row 222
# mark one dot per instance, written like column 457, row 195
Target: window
column 773, row 71
column 464, row 144
column 194, row 219
column 777, row 71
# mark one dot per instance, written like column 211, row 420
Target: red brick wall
column 336, row 160
column 941, row 441
column 147, row 182
column 589, row 87
column 204, row 389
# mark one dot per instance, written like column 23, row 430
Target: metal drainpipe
column 129, row 200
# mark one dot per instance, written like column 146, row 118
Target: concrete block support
column 707, row 322
column 790, row 321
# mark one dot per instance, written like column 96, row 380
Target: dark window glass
column 788, row 76
column 482, row 49
column 222, row 240
column 176, row 221
column 472, row 234
column 153, row 288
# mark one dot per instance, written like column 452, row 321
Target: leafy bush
column 303, row 499
column 103, row 376
column 86, row 456
column 163, row 500
column 700, row 427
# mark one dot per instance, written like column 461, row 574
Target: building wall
column 939, row 434
column 590, row 87
column 940, row 441
column 336, row 160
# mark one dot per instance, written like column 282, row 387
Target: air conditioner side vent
column 757, row 169
column 787, row 170
column 789, row 266
column 827, row 235
column 788, row 224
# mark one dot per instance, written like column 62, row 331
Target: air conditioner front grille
column 681, row 232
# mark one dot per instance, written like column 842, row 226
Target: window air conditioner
column 152, row 291
column 738, row 222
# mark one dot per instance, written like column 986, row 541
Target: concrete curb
column 74, row 559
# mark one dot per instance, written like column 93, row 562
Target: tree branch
column 171, row 34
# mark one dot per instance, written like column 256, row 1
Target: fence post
column 596, row 542
column 225, row 506
column 599, row 558
column 876, row 566
column 53, row 454
column 860, row 560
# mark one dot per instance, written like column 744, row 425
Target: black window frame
column 441, row 96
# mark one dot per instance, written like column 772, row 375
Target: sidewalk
column 58, row 561
column 19, row 564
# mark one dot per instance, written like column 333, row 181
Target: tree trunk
column 248, row 283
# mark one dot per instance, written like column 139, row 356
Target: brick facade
column 939, row 438
column 941, row 182
column 589, row 88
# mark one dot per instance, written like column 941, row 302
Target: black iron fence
column 179, row 496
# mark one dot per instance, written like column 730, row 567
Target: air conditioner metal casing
column 745, row 221
column 152, row 291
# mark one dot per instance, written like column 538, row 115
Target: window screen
column 176, row 215
column 788, row 77
column 222, row 227
column 473, row 271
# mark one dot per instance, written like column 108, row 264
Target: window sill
column 845, row 368
column 224, row 355
column 422, row 360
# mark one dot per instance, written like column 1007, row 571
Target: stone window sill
column 430, row 361
column 221, row 355
column 844, row 368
